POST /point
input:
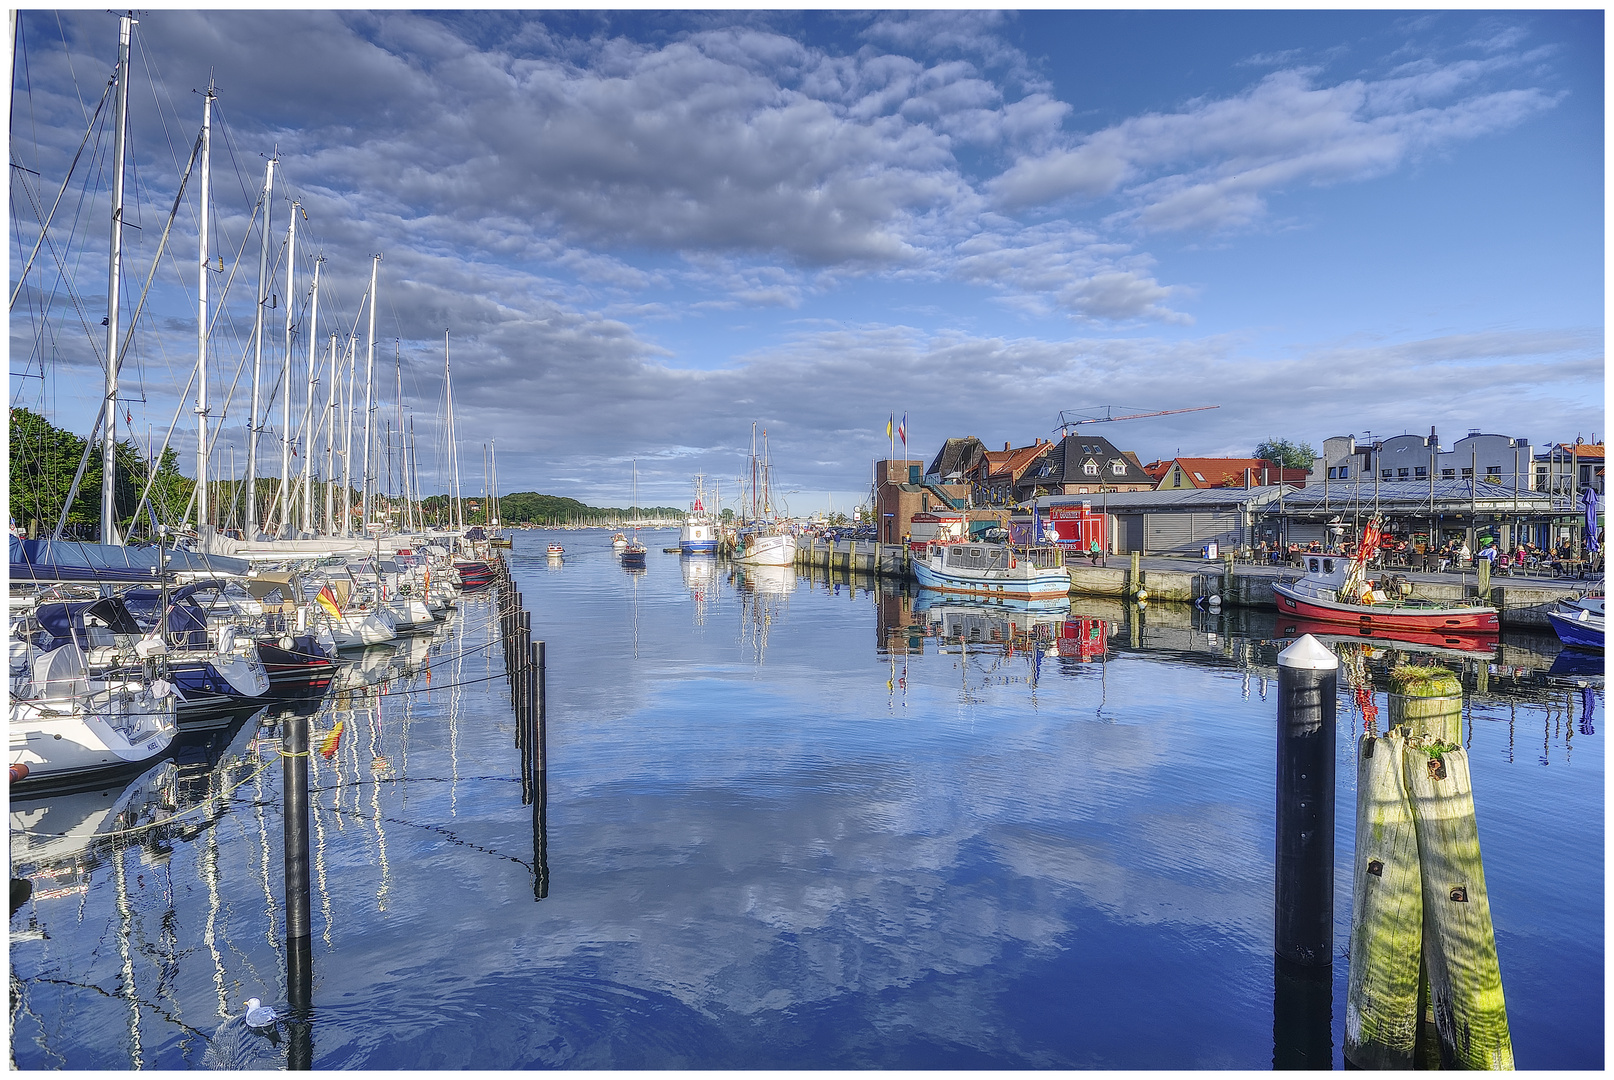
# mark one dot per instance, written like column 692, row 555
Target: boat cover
column 71, row 560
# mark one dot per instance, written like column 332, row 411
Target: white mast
column 408, row 520
column 347, row 440
column 456, row 515
column 254, row 420
column 330, row 445
column 493, row 457
column 201, row 314
column 369, row 376
column 308, row 410
column 284, row 527
column 109, row 406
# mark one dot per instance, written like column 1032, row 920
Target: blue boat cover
column 71, row 560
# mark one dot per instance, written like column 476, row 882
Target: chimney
column 1005, row 446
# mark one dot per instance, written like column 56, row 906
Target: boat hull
column 1016, row 583
column 474, row 574
column 1438, row 642
column 777, row 550
column 1388, row 616
column 1575, row 633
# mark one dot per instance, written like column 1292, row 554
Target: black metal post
column 299, row 959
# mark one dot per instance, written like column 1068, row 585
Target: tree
column 1290, row 455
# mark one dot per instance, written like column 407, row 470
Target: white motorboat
column 66, row 724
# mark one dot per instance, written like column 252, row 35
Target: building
column 901, row 490
column 1568, row 468
column 1083, row 464
column 1201, row 473
column 1002, row 475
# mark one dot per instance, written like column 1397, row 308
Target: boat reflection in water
column 764, row 593
column 1453, row 644
column 700, row 573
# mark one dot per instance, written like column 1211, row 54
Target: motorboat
column 984, row 569
column 555, row 551
column 698, row 534
column 1578, row 627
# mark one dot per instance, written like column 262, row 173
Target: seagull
column 259, row 1015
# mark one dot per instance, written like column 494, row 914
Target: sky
column 645, row 232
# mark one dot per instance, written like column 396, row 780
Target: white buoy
column 258, row 1014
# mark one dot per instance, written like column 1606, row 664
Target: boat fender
column 19, row 771
column 1014, row 564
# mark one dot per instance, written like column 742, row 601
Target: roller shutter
column 1184, row 533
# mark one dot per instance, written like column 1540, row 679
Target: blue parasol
column 1589, row 497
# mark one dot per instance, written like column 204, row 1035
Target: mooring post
column 299, row 963
column 1303, row 909
column 540, row 795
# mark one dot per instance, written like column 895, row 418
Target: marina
column 1155, row 739
column 789, row 819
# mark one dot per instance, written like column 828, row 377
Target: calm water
column 787, row 826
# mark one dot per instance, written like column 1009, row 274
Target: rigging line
column 65, row 278
column 45, row 226
column 68, row 49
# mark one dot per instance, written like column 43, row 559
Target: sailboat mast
column 109, row 406
column 202, row 511
column 254, row 419
column 413, row 464
column 369, row 377
column 284, row 525
column 408, row 520
column 456, row 515
column 347, row 438
column 308, row 410
column 493, row 454
column 330, row 446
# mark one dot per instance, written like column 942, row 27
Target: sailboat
column 633, row 554
column 763, row 539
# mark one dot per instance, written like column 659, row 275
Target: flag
column 902, row 431
column 328, row 745
column 892, row 419
column 327, row 600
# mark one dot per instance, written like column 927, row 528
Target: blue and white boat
column 994, row 570
column 1579, row 623
column 698, row 535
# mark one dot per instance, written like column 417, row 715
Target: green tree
column 1290, row 455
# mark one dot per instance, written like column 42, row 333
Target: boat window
column 1328, row 566
column 1313, row 565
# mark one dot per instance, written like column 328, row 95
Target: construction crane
column 1067, row 426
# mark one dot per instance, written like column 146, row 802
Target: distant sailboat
column 763, row 539
column 633, row 553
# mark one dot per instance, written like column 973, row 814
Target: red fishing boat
column 1336, row 589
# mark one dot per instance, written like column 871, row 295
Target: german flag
column 327, row 600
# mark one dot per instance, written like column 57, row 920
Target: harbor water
column 784, row 821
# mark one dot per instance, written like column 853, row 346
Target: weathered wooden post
column 1308, row 678
column 1465, row 980
column 1386, row 915
column 1134, row 577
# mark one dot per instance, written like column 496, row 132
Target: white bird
column 258, row 1014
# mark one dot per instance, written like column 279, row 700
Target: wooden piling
column 1426, row 701
column 1387, row 914
column 1465, row 979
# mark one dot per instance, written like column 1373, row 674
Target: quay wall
column 1520, row 605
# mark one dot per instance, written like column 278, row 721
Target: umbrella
column 1589, row 497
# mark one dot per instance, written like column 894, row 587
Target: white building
column 1498, row 459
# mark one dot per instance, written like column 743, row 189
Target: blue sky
column 647, row 230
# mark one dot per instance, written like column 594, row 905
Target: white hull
column 61, row 737
column 988, row 570
column 766, row 551
column 356, row 629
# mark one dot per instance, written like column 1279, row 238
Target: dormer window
column 1091, row 468
column 1118, row 467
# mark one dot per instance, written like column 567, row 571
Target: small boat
column 1578, row 627
column 995, row 570
column 765, row 548
column 1335, row 589
column 618, row 542
column 556, row 551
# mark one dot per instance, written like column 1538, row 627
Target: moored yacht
column 981, row 569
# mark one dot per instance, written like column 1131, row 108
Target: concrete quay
column 1522, row 602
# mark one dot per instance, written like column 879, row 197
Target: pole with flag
column 890, row 420
column 902, row 433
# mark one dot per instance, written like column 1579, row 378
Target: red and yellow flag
column 327, row 600
column 328, row 745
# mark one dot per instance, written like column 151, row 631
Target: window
column 1493, row 470
column 1384, row 474
column 1091, row 468
column 1448, row 474
column 1176, row 478
column 1330, row 474
column 1421, row 472
column 1328, row 566
column 1468, row 474
column 1118, row 467
column 1401, row 474
column 1200, row 477
column 1344, row 472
